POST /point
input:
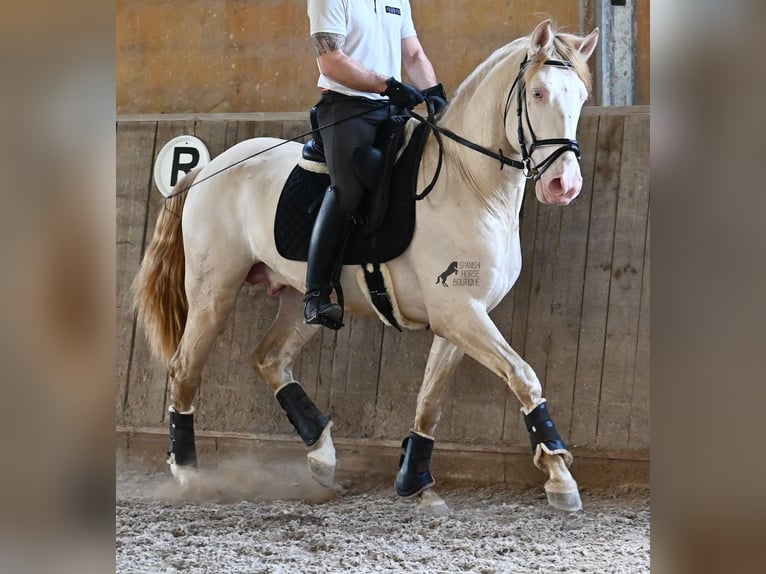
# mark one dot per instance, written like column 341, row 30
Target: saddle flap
column 374, row 166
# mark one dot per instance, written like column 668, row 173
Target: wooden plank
column 135, row 149
column 146, row 402
column 327, row 341
column 598, row 265
column 270, row 128
column 212, row 134
column 340, row 350
column 639, row 408
column 566, row 300
column 238, row 131
column 625, row 288
column 294, row 128
column 355, row 389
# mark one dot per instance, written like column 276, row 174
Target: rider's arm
column 336, row 64
column 416, row 63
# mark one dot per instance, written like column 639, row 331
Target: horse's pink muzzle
column 560, row 189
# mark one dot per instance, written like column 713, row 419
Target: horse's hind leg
column 414, row 476
column 273, row 359
column 205, row 319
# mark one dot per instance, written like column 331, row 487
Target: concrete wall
column 579, row 314
column 244, row 56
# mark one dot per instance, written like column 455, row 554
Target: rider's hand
column 436, row 99
column 402, row 95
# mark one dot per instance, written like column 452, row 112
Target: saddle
column 385, row 219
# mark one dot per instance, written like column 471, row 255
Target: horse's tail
column 159, row 295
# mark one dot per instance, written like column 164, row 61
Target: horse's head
column 554, row 83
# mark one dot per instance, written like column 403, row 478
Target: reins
column 526, row 165
column 292, row 139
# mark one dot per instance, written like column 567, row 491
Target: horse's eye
column 537, row 93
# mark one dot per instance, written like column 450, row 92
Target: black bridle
column 526, row 165
column 565, row 144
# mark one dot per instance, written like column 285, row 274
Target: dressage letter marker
column 177, row 157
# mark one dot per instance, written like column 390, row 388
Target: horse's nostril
column 555, row 185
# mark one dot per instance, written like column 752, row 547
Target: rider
column 361, row 46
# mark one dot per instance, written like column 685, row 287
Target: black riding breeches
column 342, row 139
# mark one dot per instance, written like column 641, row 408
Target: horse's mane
column 564, row 47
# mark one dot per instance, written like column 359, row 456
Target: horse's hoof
column 186, row 476
column 432, row 503
column 569, row 501
column 322, row 461
column 322, row 473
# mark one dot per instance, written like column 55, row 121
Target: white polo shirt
column 374, row 30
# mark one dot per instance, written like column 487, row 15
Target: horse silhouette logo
column 451, row 270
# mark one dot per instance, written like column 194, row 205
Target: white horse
column 209, row 241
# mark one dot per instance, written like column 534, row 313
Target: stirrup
column 317, row 313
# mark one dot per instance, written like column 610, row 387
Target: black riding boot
column 328, row 241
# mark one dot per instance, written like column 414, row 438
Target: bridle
column 530, row 170
column 526, row 165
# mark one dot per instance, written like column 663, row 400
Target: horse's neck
column 477, row 114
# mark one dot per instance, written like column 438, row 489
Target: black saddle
column 386, row 215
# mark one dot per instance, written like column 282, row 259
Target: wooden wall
column 579, row 314
column 240, row 56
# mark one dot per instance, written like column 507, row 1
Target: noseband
column 529, row 169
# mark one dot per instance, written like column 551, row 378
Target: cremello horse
column 197, row 262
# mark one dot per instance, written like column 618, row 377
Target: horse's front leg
column 414, row 476
column 273, row 359
column 474, row 331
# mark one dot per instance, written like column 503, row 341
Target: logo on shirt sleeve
column 392, row 10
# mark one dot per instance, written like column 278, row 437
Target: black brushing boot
column 328, row 242
column 414, row 474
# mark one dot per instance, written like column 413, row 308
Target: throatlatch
column 182, row 451
column 414, row 475
column 301, row 411
column 542, row 431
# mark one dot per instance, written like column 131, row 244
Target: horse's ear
column 542, row 39
column 588, row 44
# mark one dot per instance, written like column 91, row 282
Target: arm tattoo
column 324, row 42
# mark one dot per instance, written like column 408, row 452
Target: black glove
column 436, row 99
column 402, row 95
